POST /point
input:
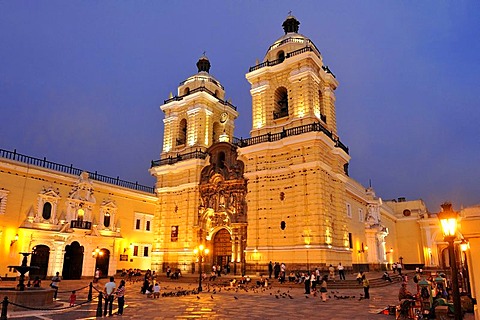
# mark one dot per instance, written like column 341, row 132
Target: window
column 143, row 222
column 135, row 251
column 174, row 234
column 106, row 219
column 350, row 241
column 281, row 56
column 349, row 210
column 281, row 103
column 47, row 210
column 3, row 200
column 145, row 251
column 361, row 215
column 182, row 133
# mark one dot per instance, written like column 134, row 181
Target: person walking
column 109, row 291
column 54, row 285
column 270, row 270
column 341, row 271
column 121, row 297
column 366, row 287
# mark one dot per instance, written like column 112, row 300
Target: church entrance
column 39, row 259
column 101, row 262
column 222, row 248
column 73, row 261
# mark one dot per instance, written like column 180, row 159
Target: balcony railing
column 44, row 163
column 197, row 154
column 200, row 89
column 310, row 48
column 80, row 224
column 269, row 137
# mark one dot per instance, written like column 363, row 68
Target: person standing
column 331, row 271
column 323, row 288
column 121, row 297
column 109, row 295
column 270, row 270
column 366, row 287
column 54, row 285
column 399, row 268
column 96, row 276
column 394, row 267
column 341, row 271
column 73, row 298
column 307, row 283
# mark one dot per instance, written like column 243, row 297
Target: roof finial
column 290, row 12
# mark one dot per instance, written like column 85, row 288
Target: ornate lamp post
column 448, row 221
column 200, row 252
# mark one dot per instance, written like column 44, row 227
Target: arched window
column 182, row 133
column 221, row 160
column 281, row 56
column 106, row 220
column 47, row 210
column 186, row 91
column 281, row 103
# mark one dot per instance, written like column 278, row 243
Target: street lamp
column 464, row 246
column 448, row 221
column 200, row 252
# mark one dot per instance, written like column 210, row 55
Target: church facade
column 282, row 195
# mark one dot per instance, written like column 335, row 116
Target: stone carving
column 222, row 189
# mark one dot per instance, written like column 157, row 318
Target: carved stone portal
column 222, row 193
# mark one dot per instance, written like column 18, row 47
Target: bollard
column 99, row 306
column 89, row 298
column 4, row 309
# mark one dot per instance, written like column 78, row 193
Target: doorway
column 40, row 256
column 73, row 261
column 102, row 261
column 222, row 248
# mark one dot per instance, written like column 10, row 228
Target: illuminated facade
column 72, row 221
column 284, row 194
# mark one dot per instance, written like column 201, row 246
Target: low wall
column 31, row 297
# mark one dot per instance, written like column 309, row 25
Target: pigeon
column 236, row 298
column 211, row 297
column 198, row 297
column 307, row 297
column 290, row 296
column 276, row 296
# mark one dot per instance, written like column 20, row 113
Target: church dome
column 202, row 80
column 290, row 41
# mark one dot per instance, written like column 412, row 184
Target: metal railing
column 309, row 48
column 197, row 154
column 200, row 89
column 269, row 137
column 44, row 163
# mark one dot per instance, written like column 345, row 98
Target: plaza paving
column 281, row 301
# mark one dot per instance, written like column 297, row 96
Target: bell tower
column 292, row 86
column 198, row 115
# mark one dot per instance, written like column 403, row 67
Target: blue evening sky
column 81, row 82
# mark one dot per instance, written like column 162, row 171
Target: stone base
column 31, row 297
